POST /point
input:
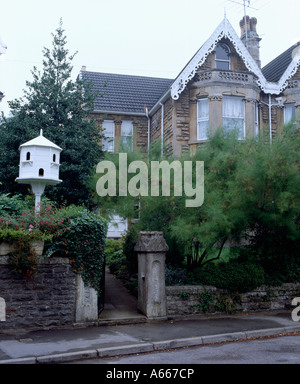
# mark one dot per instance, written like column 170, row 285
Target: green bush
column 234, row 276
column 175, row 275
column 114, row 257
column 130, row 240
column 116, row 262
column 11, row 205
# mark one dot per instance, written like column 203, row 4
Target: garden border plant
column 72, row 232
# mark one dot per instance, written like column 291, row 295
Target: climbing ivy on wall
column 83, row 242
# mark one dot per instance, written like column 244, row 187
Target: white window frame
column 222, row 60
column 202, row 119
column 126, row 123
column 238, row 118
column 108, row 140
column 286, row 115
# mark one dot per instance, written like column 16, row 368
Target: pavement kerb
column 125, row 350
column 65, row 357
column 151, row 346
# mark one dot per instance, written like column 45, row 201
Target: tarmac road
column 278, row 350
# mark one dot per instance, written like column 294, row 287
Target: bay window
column 234, row 115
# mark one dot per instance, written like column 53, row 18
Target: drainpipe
column 270, row 116
column 162, row 129
column 148, row 117
column 269, row 105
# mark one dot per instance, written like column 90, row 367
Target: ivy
column 83, row 242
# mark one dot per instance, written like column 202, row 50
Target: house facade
column 223, row 85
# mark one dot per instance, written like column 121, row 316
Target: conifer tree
column 60, row 107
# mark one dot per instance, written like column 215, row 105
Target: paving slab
column 59, row 345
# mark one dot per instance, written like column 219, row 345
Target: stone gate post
column 151, row 248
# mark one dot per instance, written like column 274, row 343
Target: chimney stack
column 251, row 39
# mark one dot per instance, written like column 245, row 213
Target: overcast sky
column 141, row 37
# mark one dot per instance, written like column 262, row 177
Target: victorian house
column 223, row 85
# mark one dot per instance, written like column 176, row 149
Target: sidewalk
column 57, row 346
column 122, row 331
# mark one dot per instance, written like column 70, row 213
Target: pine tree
column 60, row 106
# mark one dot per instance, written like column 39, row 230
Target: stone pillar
column 151, row 248
column 86, row 302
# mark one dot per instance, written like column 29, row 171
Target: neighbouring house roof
column 126, row 93
column 277, row 67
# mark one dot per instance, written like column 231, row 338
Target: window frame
column 241, row 99
column 127, row 122
column 286, row 106
column 222, row 60
column 202, row 119
column 108, row 140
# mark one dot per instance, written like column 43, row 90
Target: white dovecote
column 39, row 165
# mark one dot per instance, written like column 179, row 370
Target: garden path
column 119, row 304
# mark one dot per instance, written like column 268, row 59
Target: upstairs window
column 289, row 113
column 234, row 115
column 108, row 131
column 222, row 57
column 202, row 119
column 127, row 136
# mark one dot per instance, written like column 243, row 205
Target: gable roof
column 225, row 30
column 276, row 68
column 125, row 94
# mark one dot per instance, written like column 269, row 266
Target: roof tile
column 276, row 68
column 126, row 93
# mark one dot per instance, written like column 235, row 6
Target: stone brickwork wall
column 48, row 300
column 194, row 300
column 156, row 126
column 140, row 128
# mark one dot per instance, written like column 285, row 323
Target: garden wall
column 47, row 300
column 194, row 300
